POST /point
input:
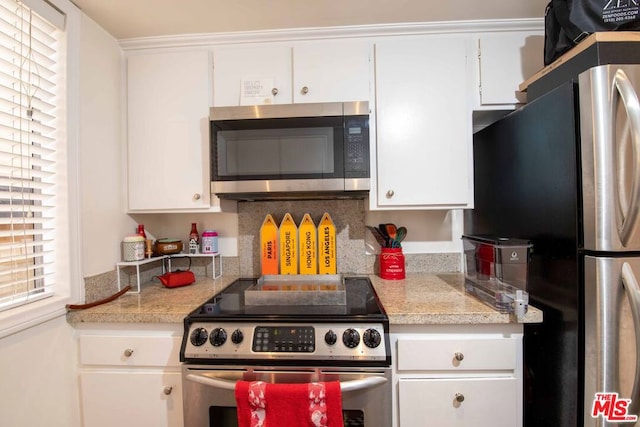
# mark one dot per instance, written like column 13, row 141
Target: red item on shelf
column 141, row 231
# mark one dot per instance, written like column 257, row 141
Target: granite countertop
column 438, row 299
column 420, row 299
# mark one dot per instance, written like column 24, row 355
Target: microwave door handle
column 345, row 386
column 630, row 285
column 629, row 210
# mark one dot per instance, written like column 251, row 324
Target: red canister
column 392, row 264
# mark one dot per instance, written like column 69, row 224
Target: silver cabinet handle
column 196, row 196
column 459, row 397
column 167, row 390
column 274, row 91
column 390, row 194
column 305, row 90
column 128, row 352
column 629, row 209
column 458, row 356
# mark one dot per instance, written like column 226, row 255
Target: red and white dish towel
column 263, row 404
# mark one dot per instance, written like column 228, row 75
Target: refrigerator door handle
column 630, row 285
column 629, row 210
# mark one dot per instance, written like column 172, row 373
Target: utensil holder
column 392, row 264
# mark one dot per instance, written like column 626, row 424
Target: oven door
column 209, row 399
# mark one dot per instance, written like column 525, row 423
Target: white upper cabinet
column 268, row 64
column 323, row 71
column 168, row 131
column 423, row 124
column 333, row 71
column 506, row 59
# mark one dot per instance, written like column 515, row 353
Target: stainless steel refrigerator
column 564, row 172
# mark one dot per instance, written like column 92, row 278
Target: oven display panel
column 279, row 339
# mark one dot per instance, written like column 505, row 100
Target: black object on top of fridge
column 597, row 49
column 564, row 173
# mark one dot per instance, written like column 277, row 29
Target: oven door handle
column 345, row 386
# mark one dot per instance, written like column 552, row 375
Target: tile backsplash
column 356, row 248
column 347, row 215
column 351, row 238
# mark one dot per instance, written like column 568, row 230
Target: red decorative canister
column 392, row 264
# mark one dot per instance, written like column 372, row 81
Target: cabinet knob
column 196, row 196
column 167, row 390
column 459, row 397
column 458, row 356
column 128, row 352
column 305, row 90
column 390, row 194
column 274, row 91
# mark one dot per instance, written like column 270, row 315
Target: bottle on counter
column 194, row 239
column 141, row 231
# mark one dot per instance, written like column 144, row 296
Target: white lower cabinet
column 116, row 398
column 130, row 377
column 458, row 402
column 458, row 376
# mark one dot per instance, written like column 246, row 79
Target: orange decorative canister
column 392, row 264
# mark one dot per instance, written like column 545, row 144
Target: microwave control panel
column 356, row 142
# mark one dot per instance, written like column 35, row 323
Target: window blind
column 29, row 73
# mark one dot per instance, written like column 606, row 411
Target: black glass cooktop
column 362, row 304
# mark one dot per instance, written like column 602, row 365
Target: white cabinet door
column 142, row 399
column 466, row 402
column 168, row 131
column 233, row 65
column 331, row 71
column 324, row 71
column 423, row 123
column 505, row 61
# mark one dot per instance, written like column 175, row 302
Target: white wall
column 38, row 377
column 126, row 18
column 102, row 150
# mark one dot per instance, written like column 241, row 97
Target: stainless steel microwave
column 290, row 151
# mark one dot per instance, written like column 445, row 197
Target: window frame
column 68, row 255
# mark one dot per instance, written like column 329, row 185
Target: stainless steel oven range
column 226, row 340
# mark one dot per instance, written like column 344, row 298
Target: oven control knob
column 371, row 338
column 237, row 336
column 351, row 338
column 218, row 337
column 198, row 336
column 330, row 337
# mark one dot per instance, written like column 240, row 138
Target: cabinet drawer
column 457, row 354
column 130, row 350
column 467, row 402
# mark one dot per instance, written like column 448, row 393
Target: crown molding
column 327, row 33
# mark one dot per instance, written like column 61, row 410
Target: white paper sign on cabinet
column 256, row 91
